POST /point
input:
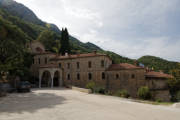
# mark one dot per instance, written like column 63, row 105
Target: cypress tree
column 64, row 42
column 67, row 40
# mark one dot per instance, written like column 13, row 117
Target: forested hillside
column 158, row 63
column 20, row 16
column 14, row 57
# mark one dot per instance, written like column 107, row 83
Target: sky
column 131, row 28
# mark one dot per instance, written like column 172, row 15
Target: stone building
column 157, row 83
column 125, row 76
column 54, row 70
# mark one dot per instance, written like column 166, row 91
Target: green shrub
column 144, row 93
column 158, row 100
column 178, row 96
column 91, row 85
column 100, row 90
column 108, row 92
column 122, row 93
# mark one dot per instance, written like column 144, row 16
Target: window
column 39, row 61
column 33, row 61
column 78, row 76
column 89, row 76
column 68, row 65
column 45, row 60
column 77, row 65
column 68, row 77
column 152, row 83
column 59, row 65
column 103, row 75
column 102, row 63
column 132, row 76
column 117, row 76
column 89, row 64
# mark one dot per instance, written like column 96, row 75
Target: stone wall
column 96, row 70
column 157, row 83
column 113, row 80
column 35, row 45
column 38, row 61
column 129, row 80
column 159, row 88
column 162, row 95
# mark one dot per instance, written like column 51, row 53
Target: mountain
column 21, row 11
column 24, row 19
column 158, row 63
column 26, row 15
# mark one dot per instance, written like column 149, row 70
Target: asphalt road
column 64, row 104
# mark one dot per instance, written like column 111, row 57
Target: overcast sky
column 131, row 28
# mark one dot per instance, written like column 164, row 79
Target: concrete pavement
column 65, row 104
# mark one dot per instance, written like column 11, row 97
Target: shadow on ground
column 29, row 102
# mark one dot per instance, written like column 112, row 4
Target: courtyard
column 66, row 104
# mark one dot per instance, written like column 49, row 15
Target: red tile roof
column 122, row 66
column 43, row 53
column 38, row 49
column 157, row 74
column 77, row 56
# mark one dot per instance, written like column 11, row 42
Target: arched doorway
column 46, row 79
column 56, row 79
column 50, row 77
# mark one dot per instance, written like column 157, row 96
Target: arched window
column 68, row 77
column 117, row 76
column 45, row 60
column 68, row 65
column 39, row 60
column 77, row 65
column 103, row 75
column 89, row 76
column 132, row 76
column 33, row 62
column 102, row 63
column 89, row 64
column 59, row 65
column 78, row 76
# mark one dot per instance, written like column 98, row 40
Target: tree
column 12, row 48
column 144, row 93
column 50, row 40
column 174, row 83
column 65, row 46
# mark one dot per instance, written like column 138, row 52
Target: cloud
column 132, row 28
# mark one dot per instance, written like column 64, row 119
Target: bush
column 122, row 93
column 108, row 92
column 100, row 90
column 178, row 96
column 91, row 85
column 144, row 93
column 158, row 100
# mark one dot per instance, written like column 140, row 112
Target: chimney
column 135, row 63
column 66, row 54
column 78, row 54
column 161, row 71
column 147, row 69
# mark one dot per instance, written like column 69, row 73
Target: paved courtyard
column 64, row 104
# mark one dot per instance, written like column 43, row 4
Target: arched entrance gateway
column 46, row 79
column 56, row 79
column 50, row 77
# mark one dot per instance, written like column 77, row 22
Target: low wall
column 81, row 89
column 163, row 95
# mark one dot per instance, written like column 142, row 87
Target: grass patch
column 157, row 103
